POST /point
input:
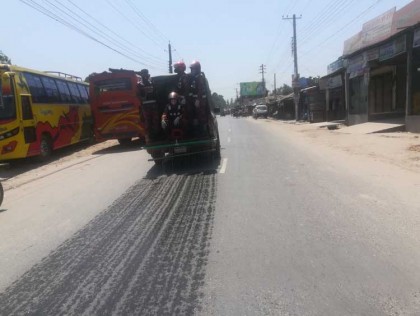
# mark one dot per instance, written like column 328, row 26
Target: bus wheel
column 124, row 141
column 45, row 147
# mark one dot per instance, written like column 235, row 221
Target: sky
column 230, row 38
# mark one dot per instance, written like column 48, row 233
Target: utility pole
column 262, row 70
column 295, row 81
column 170, row 57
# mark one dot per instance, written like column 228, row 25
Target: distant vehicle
column 41, row 111
column 260, row 111
column 115, row 106
column 176, row 142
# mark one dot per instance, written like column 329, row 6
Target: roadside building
column 379, row 72
column 333, row 85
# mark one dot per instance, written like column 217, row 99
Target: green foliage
column 218, row 101
column 284, row 90
column 4, row 59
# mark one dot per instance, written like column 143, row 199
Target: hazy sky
column 230, row 38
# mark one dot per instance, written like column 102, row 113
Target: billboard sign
column 252, row 89
column 378, row 29
column 407, row 16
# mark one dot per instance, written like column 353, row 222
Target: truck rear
column 194, row 137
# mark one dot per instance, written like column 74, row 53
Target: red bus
column 115, row 106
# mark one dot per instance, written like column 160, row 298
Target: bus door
column 9, row 126
column 28, row 119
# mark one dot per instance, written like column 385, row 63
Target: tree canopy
column 4, row 59
column 218, row 100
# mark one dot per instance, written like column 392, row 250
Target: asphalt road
column 273, row 229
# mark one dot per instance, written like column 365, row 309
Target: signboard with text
column 252, row 89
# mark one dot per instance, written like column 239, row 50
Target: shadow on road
column 16, row 167
column 204, row 164
column 133, row 146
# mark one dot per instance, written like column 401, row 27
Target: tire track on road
column 145, row 254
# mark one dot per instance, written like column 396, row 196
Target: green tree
column 4, row 59
column 218, row 100
column 284, row 90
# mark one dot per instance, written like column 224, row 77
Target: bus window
column 116, row 84
column 74, row 92
column 64, row 91
column 51, row 89
column 26, row 108
column 83, row 93
column 36, row 87
column 7, row 104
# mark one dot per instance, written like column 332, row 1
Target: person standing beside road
column 183, row 87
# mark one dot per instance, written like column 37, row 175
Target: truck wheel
column 158, row 155
column 217, row 153
column 124, row 141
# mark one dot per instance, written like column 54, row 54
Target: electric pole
column 170, row 58
column 295, row 81
column 262, row 70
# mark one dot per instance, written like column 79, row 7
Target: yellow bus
column 41, row 111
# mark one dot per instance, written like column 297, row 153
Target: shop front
column 387, row 80
column 333, row 84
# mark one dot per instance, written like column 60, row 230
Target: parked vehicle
column 40, row 112
column 260, row 111
column 115, row 106
column 177, row 142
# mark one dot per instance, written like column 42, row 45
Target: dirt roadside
column 24, row 171
column 399, row 149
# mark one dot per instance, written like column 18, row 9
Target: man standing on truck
column 172, row 116
column 149, row 113
column 198, row 98
column 183, row 87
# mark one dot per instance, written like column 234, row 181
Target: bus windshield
column 115, row 84
column 7, row 105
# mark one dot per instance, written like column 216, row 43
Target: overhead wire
column 87, row 24
column 36, row 6
column 148, row 23
column 344, row 26
column 113, row 32
column 126, row 18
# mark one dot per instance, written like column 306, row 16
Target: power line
column 149, row 23
column 50, row 14
column 126, row 18
column 78, row 19
column 118, row 35
column 333, row 8
column 342, row 28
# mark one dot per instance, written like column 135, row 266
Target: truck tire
column 158, row 155
column 217, row 153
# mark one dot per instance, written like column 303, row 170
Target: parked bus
column 115, row 106
column 40, row 112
